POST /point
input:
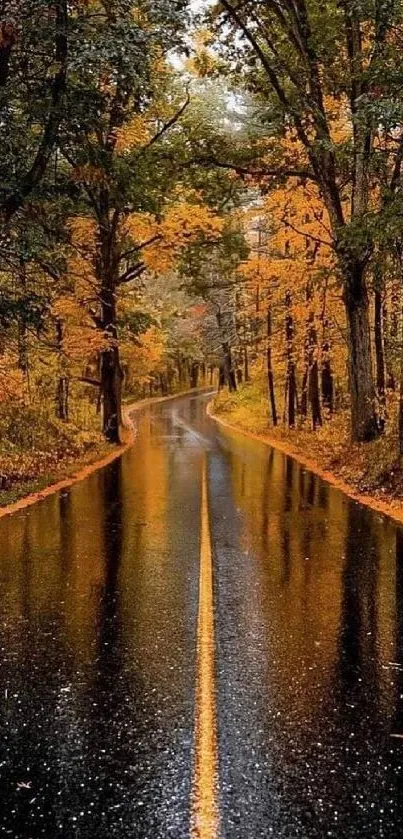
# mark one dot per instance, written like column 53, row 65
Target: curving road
column 201, row 641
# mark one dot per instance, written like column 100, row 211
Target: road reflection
column 100, row 665
column 310, row 652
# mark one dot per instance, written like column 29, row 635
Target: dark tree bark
column 400, row 426
column 23, row 356
column 111, row 374
column 194, row 374
column 229, row 373
column 62, row 387
column 399, row 308
column 62, row 398
column 313, row 392
column 379, row 354
column 310, row 385
column 246, row 364
column 111, row 386
column 179, row 365
column 327, row 385
column 304, row 392
column 395, row 306
column 387, row 341
column 362, row 389
column 170, row 377
column 163, row 384
column 227, row 365
column 291, row 382
column 270, row 375
column 326, row 373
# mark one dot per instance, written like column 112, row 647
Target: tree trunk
column 387, row 343
column 163, row 384
column 246, row 364
column 380, row 355
column 62, row 398
column 22, row 345
column 310, row 383
column 23, row 351
column 169, row 378
column 291, row 383
column 304, row 392
column 270, row 375
column 62, row 387
column 179, row 365
column 313, row 373
column 305, row 377
column 364, row 426
column 110, row 369
column 327, row 385
column 194, row 374
column 401, row 397
column 399, row 249
column 227, row 368
column 313, row 394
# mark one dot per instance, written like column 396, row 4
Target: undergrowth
column 368, row 467
column 35, row 448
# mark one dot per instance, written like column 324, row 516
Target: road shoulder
column 387, row 506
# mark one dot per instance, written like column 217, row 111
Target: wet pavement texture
column 98, row 635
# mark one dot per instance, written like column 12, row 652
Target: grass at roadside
column 371, row 468
column 38, row 450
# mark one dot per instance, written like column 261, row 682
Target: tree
column 33, row 84
column 108, row 141
column 300, row 61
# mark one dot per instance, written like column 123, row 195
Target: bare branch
column 169, row 124
column 131, row 274
column 266, row 171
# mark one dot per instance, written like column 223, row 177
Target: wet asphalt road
column 103, row 648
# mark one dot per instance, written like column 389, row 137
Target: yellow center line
column 205, row 814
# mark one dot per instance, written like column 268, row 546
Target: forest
column 201, row 194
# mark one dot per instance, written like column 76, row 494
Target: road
column 201, row 641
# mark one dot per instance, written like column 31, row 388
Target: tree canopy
column 191, row 191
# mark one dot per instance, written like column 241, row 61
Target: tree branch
column 274, row 81
column 131, row 274
column 33, row 177
column 167, row 125
column 244, row 171
column 137, row 248
column 87, row 381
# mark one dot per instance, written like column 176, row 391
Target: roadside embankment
column 367, row 472
column 40, row 458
